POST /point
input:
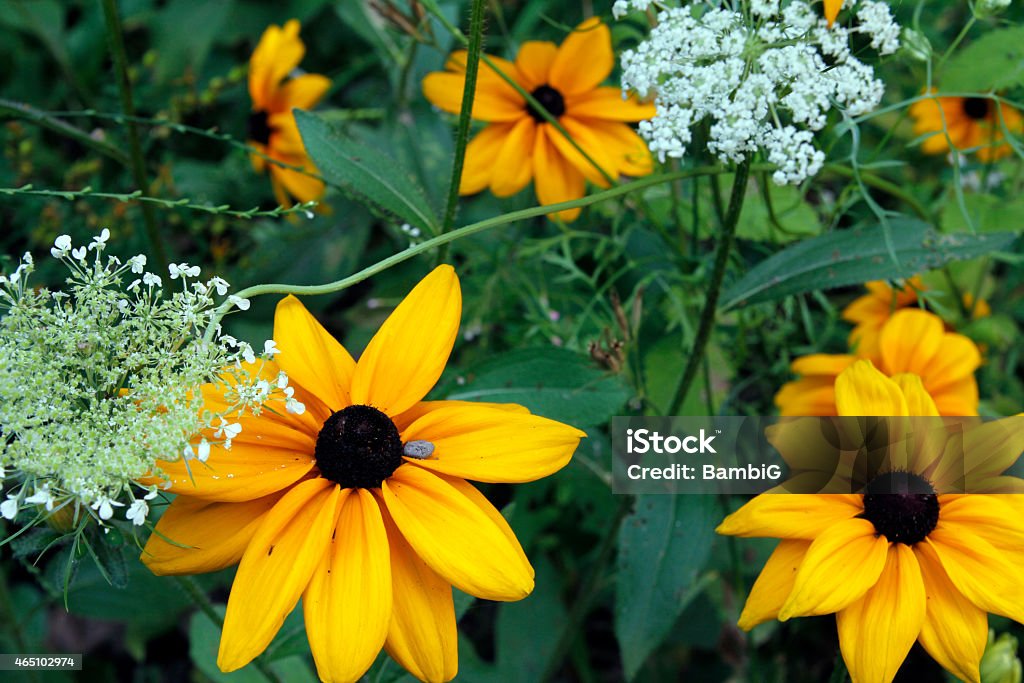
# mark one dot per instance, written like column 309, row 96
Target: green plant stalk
column 138, row 166
column 465, row 231
column 476, row 44
column 707, row 317
column 199, row 598
column 890, row 188
column 12, row 109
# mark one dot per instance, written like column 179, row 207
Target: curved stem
column 890, row 188
column 475, row 47
column 707, row 316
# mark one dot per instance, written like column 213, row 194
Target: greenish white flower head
column 101, row 379
column 763, row 75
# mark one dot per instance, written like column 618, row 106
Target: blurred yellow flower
column 973, row 124
column 360, row 504
column 518, row 145
column 275, row 90
column 905, row 560
column 910, row 341
column 832, row 8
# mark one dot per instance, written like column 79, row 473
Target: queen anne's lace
column 99, row 380
column 764, row 80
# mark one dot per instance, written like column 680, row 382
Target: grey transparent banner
column 750, row 455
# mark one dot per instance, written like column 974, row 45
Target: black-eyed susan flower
column 870, row 312
column 904, row 559
column 276, row 89
column 911, row 341
column 360, row 504
column 968, row 124
column 518, row 145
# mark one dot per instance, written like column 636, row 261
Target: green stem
column 707, row 317
column 886, row 186
column 115, row 35
column 465, row 231
column 956, row 43
column 24, row 111
column 589, row 590
column 476, row 44
column 202, row 601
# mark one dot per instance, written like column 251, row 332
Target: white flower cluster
column 100, row 380
column 763, row 82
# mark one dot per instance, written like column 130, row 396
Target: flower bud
column 1000, row 663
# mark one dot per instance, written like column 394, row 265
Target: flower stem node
column 358, row 447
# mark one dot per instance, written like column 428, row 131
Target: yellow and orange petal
column 971, row 124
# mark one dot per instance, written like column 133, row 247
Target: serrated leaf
column 365, row 173
column 995, row 61
column 847, row 257
column 555, row 383
column 663, row 545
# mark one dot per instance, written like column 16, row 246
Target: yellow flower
column 832, row 8
column 272, row 128
column 910, row 341
column 871, row 311
column 971, row 124
column 923, row 564
column 340, row 507
column 518, row 145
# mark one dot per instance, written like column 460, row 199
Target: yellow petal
column 422, row 636
column 608, row 103
column 978, row 570
column 302, row 92
column 276, row 568
column 481, row 152
column 910, row 340
column 404, row 359
column 954, row 631
column 919, row 401
column 628, row 149
column 990, row 517
column 584, row 59
column 841, row 565
column 957, row 357
column 592, row 144
column 555, row 179
column 202, row 536
column 808, row 396
column 534, row 62
column 279, row 51
column 994, row 446
column 245, row 472
column 310, row 356
column 493, row 101
column 347, row 605
column 877, row 632
column 452, row 535
column 861, row 390
column 832, row 8
column 302, row 186
column 486, row 444
column 822, row 364
column 513, row 166
column 406, row 418
column 801, row 516
column 480, row 500
column 774, row 584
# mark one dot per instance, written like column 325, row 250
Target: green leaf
column 531, row 625
column 986, row 212
column 995, row 61
column 556, row 383
column 663, row 545
column 846, row 257
column 179, row 50
column 366, row 173
column 794, row 218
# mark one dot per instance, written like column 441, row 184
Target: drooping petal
column 480, row 500
column 955, row 631
column 591, row 144
column 302, row 186
column 513, row 167
column 584, row 59
column 774, row 584
column 301, row 92
column 245, row 472
column 534, row 62
column 919, row 401
column 405, row 358
column 422, row 636
column 455, row 537
column 877, row 631
column 481, row 152
column 276, row 569
column 406, row 418
column 347, row 605
column 555, row 179
column 628, row 149
column 791, row 515
column 491, row 445
column 310, row 356
column 863, row 390
column 841, row 565
column 608, row 103
column 195, row 536
column 279, row 51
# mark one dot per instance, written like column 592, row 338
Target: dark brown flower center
column 902, row 506
column 550, row 99
column 358, row 447
column 976, row 108
column 259, row 127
